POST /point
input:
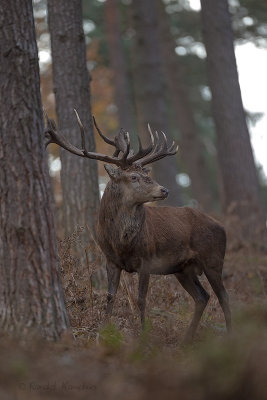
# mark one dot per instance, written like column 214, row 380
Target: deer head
column 135, row 186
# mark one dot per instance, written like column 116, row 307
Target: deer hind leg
column 192, row 285
column 113, row 274
column 142, row 292
column 214, row 277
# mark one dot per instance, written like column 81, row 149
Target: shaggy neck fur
column 123, row 222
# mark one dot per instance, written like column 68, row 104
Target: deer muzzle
column 164, row 192
column 161, row 193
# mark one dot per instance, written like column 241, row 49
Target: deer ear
column 112, row 172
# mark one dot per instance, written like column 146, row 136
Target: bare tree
column 192, row 148
column 240, row 182
column 31, row 298
column 149, row 87
column 71, row 86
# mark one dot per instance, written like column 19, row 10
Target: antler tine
column 116, row 142
column 116, row 153
column 160, row 150
column 153, row 148
column 157, row 139
column 142, row 152
column 81, row 129
column 54, row 136
column 50, row 127
column 126, row 152
column 107, row 140
column 158, row 144
column 165, row 140
column 162, row 145
column 151, row 135
column 173, row 146
column 47, row 133
column 121, row 141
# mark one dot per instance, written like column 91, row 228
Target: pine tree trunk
column 31, row 298
column 79, row 177
column 240, row 182
column 118, row 65
column 192, row 149
column 149, row 89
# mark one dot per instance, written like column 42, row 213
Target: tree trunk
column 79, row 176
column 149, row 89
column 192, row 148
column 240, row 182
column 118, row 65
column 31, row 298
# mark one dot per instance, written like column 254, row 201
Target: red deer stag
column 151, row 240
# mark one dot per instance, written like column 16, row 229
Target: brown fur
column 158, row 240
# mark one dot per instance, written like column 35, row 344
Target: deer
column 143, row 239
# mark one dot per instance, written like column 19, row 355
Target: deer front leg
column 113, row 274
column 142, row 292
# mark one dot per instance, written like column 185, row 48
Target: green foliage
column 110, row 337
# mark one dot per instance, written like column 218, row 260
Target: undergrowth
column 117, row 361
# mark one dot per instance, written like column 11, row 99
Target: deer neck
column 122, row 221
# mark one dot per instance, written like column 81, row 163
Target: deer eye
column 134, row 178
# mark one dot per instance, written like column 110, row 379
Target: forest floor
column 117, row 361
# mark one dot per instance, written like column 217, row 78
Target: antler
column 53, row 136
column 159, row 150
column 156, row 150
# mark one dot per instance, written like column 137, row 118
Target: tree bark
column 149, row 89
column 192, row 148
column 79, row 176
column 240, row 182
column 31, row 298
column 123, row 96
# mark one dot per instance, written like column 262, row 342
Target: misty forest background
column 121, row 97
column 128, row 63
